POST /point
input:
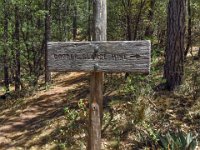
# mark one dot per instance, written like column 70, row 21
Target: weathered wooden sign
column 98, row 57
column 108, row 56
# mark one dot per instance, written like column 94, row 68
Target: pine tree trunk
column 189, row 38
column 133, row 36
column 75, row 22
column 149, row 29
column 17, row 54
column 129, row 21
column 128, row 7
column 6, row 65
column 65, row 22
column 60, row 36
column 89, row 21
column 47, row 38
column 138, row 19
column 174, row 53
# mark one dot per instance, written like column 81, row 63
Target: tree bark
column 17, row 52
column 47, row 38
column 60, row 17
column 174, row 53
column 127, row 8
column 65, row 22
column 149, row 29
column 5, row 58
column 138, row 19
column 89, row 21
column 75, row 21
column 96, row 83
column 189, row 37
column 129, row 21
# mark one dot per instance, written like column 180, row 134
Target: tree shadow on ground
column 21, row 124
column 175, row 110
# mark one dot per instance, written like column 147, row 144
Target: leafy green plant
column 61, row 146
column 70, row 114
column 137, row 85
column 171, row 140
column 178, row 141
column 152, row 134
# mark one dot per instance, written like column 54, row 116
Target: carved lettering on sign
column 99, row 56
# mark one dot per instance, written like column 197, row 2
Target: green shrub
column 177, row 141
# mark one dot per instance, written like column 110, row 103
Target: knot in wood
column 96, row 67
column 94, row 107
column 96, row 49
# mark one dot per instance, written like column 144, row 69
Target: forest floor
column 29, row 121
column 55, row 117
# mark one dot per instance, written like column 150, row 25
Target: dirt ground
column 22, row 126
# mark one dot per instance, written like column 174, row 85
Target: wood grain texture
column 95, row 127
column 96, row 110
column 111, row 56
column 96, row 79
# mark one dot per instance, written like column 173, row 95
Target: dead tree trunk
column 174, row 53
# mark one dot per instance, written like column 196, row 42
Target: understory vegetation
column 136, row 114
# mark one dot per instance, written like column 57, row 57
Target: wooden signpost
column 97, row 57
